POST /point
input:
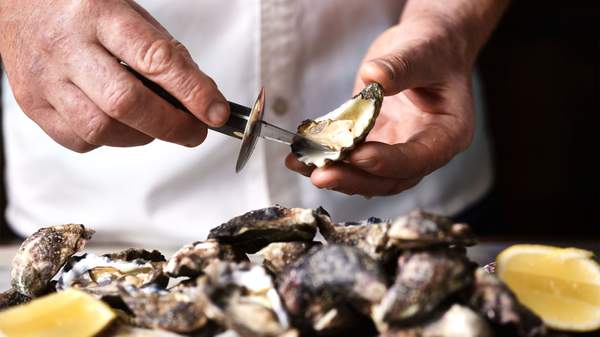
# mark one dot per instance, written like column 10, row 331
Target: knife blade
column 244, row 123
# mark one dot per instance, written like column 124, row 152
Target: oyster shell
column 328, row 288
column 383, row 240
column 192, row 259
column 279, row 255
column 458, row 321
column 11, row 298
column 42, row 255
column 340, row 130
column 100, row 275
column 424, row 279
column 256, row 229
column 179, row 310
column 244, row 299
column 493, row 299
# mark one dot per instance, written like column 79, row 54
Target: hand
column 426, row 119
column 62, row 60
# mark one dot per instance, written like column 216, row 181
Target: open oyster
column 254, row 230
column 192, row 259
column 384, row 239
column 424, row 279
column 458, row 321
column 279, row 255
column 42, row 255
column 492, row 298
column 329, row 288
column 100, row 275
column 342, row 129
column 243, row 299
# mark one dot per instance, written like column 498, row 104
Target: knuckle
column 158, row 56
column 121, row 100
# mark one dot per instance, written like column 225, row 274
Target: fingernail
column 366, row 163
column 217, row 113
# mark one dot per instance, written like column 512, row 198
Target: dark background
column 541, row 75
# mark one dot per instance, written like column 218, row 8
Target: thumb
column 399, row 70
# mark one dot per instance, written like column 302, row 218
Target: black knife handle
column 234, row 127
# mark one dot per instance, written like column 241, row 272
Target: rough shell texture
column 385, row 239
column 458, row 321
column 424, row 279
column 100, row 275
column 331, row 284
column 254, row 230
column 12, row 297
column 279, row 255
column 340, row 130
column 182, row 310
column 191, row 260
column 42, row 255
column 492, row 298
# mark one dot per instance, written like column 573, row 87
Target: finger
column 165, row 61
column 58, row 129
column 420, row 155
column 292, row 163
column 409, row 66
column 144, row 13
column 89, row 122
column 124, row 98
column 344, row 178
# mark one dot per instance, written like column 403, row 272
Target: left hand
column 426, row 119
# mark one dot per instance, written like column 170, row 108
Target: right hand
column 62, row 60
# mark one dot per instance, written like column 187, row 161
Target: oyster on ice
column 279, row 255
column 385, row 239
column 256, row 229
column 330, row 288
column 341, row 129
column 100, row 275
column 192, row 259
column 423, row 280
column 42, row 255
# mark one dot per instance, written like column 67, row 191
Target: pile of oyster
column 403, row 277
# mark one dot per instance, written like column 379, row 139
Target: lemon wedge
column 70, row 313
column 561, row 285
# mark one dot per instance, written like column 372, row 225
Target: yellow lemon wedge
column 70, row 313
column 561, row 285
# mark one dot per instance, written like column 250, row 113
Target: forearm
column 471, row 22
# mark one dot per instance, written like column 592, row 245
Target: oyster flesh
column 383, row 240
column 458, row 321
column 178, row 310
column 329, row 288
column 100, row 275
column 279, row 255
column 424, row 279
column 192, row 259
column 340, row 130
column 256, row 229
column 492, row 298
column 42, row 255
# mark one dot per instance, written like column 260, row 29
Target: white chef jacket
column 305, row 53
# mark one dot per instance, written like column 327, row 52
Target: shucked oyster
column 99, row 275
column 424, row 279
column 42, row 255
column 327, row 289
column 256, row 229
column 279, row 255
column 192, row 259
column 384, row 239
column 342, row 129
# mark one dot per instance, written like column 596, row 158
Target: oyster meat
column 340, row 130
column 192, row 259
column 424, row 279
column 329, row 288
column 42, row 255
column 255, row 230
column 492, row 298
column 385, row 239
column 458, row 321
column 100, row 275
column 279, row 255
